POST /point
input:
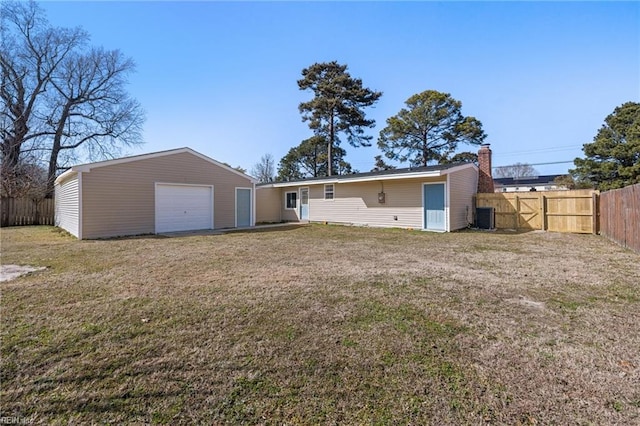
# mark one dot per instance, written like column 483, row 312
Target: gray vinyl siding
column 268, row 205
column 463, row 185
column 67, row 205
column 119, row 199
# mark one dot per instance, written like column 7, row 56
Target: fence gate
column 557, row 211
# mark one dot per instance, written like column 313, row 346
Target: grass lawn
column 321, row 325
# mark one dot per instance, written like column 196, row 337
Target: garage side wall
column 120, row 199
column 462, row 187
column 67, row 202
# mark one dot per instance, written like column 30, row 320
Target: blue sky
column 220, row 77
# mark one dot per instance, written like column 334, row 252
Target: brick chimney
column 485, row 181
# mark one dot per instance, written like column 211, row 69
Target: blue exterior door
column 433, row 198
column 243, row 207
column 304, row 203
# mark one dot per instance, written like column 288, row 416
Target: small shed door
column 434, row 203
column 304, row 203
column 243, row 207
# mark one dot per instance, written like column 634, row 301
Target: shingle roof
column 365, row 175
column 527, row 180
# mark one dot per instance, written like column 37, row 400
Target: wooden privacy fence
column 26, row 211
column 557, row 211
column 620, row 216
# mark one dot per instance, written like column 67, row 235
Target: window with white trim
column 328, row 191
column 291, row 200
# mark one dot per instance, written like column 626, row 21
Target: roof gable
column 87, row 167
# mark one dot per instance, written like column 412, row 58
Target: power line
column 537, row 151
column 535, row 164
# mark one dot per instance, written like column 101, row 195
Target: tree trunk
column 55, row 150
column 12, row 145
column 330, row 147
column 11, row 153
column 53, row 168
column 425, row 151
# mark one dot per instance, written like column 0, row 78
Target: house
column 168, row 191
column 527, row 184
column 432, row 198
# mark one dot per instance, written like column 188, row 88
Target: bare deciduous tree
column 61, row 100
column 30, row 53
column 265, row 170
column 90, row 109
column 24, row 180
column 517, row 170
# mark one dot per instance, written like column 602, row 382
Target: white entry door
column 183, row 207
column 304, row 203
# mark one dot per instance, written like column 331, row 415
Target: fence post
column 517, row 212
column 4, row 212
column 474, row 203
column 595, row 211
column 543, row 207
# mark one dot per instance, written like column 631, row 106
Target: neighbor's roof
column 526, row 180
column 87, row 167
column 407, row 173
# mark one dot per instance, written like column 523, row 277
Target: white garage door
column 183, row 207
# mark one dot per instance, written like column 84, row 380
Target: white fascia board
column 66, row 175
column 385, row 177
column 299, row 183
column 408, row 175
column 460, row 167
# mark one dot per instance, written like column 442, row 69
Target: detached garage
column 169, row 191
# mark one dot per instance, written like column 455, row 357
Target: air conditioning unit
column 485, row 217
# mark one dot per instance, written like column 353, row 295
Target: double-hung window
column 328, row 191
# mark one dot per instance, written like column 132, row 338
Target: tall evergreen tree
column 337, row 106
column 428, row 129
column 310, row 159
column 461, row 157
column 380, row 165
column 612, row 160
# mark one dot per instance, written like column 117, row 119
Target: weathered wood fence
column 620, row 216
column 26, row 211
column 557, row 211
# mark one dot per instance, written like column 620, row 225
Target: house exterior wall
column 119, row 199
column 269, row 205
column 67, row 205
column 462, row 187
column 290, row 215
column 357, row 202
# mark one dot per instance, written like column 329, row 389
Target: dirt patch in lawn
column 322, row 324
column 11, row 272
